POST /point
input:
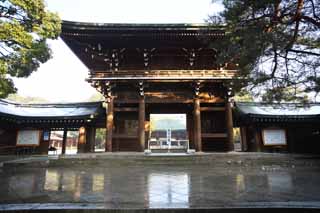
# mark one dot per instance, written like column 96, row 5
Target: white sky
column 63, row 77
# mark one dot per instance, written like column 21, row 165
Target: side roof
column 49, row 110
column 281, row 112
column 283, row 109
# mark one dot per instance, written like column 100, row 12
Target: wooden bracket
column 141, row 89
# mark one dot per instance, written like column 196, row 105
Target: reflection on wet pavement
column 157, row 187
column 171, row 190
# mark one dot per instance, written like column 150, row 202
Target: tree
column 243, row 96
column 100, row 138
column 26, row 100
column 276, row 45
column 96, row 97
column 24, row 27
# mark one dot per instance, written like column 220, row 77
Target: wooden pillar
column 64, row 141
column 82, row 140
column 142, row 118
column 90, row 139
column 197, row 125
column 190, row 129
column 229, row 122
column 109, row 124
column 44, row 143
column 147, row 128
column 258, row 139
column 243, row 136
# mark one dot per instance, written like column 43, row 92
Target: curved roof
column 109, row 46
column 274, row 113
column 50, row 110
column 138, row 26
column 283, row 109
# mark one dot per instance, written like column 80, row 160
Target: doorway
column 56, row 138
column 168, row 133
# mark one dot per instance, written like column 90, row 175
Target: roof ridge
column 179, row 24
column 139, row 26
column 8, row 102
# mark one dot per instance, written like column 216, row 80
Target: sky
column 62, row 78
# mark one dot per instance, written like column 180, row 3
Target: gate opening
column 168, row 133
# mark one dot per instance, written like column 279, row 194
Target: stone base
column 191, row 151
column 147, row 151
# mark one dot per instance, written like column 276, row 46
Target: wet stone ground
column 160, row 186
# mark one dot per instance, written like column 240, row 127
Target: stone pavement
column 228, row 180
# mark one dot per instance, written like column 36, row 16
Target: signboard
column 28, row 138
column 46, row 135
column 274, row 137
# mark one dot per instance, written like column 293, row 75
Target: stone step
column 214, row 160
column 168, row 151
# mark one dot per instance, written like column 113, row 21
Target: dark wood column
column 258, row 139
column 109, row 124
column 142, row 118
column 197, row 125
column 90, row 139
column 244, row 142
column 82, row 140
column 64, row 141
column 229, row 122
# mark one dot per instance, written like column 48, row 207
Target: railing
column 163, row 73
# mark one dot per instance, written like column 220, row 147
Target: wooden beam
column 126, row 109
column 212, row 108
column 197, row 125
column 64, row 141
column 229, row 122
column 258, row 139
column 214, row 135
column 82, row 139
column 159, row 73
column 244, row 142
column 90, row 139
column 109, row 125
column 141, row 131
column 124, row 136
column 167, row 78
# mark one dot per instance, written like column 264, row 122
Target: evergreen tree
column 24, row 27
column 276, row 45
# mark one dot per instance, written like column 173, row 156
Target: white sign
column 274, row 137
column 28, row 138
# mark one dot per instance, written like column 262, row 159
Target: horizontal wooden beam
column 173, row 70
column 167, row 101
column 167, row 78
column 126, row 109
column 214, row 135
column 124, row 136
column 212, row 109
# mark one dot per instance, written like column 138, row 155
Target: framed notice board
column 274, row 137
column 28, row 138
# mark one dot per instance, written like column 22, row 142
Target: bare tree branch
column 304, row 52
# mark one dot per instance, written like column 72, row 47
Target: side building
column 34, row 122
column 286, row 127
column 264, row 127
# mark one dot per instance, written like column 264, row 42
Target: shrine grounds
column 134, row 182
